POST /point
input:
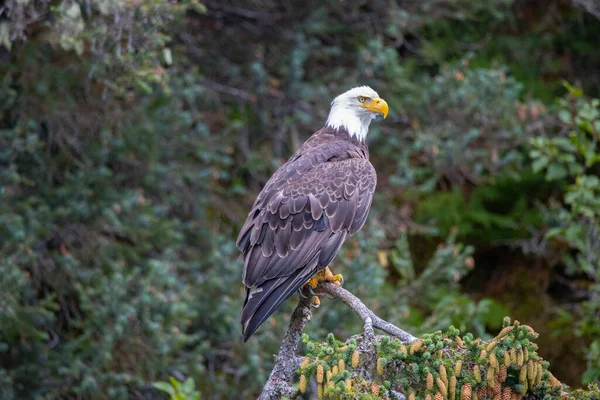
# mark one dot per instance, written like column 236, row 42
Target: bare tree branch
column 370, row 319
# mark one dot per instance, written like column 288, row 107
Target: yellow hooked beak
column 377, row 105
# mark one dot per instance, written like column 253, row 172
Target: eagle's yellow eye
column 361, row 99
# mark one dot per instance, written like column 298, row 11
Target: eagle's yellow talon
column 337, row 279
column 316, row 302
column 325, row 276
column 314, row 281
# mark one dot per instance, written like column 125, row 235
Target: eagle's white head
column 355, row 109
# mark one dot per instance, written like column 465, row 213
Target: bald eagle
column 308, row 208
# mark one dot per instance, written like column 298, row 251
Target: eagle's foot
column 322, row 276
column 325, row 276
column 316, row 302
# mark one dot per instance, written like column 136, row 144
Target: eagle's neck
column 341, row 117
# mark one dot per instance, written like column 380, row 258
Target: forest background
column 135, row 134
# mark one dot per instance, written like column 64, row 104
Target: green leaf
column 565, row 116
column 540, row 163
column 556, row 172
column 164, row 387
column 188, row 385
column 176, row 384
column 555, row 232
column 573, row 91
column 143, row 86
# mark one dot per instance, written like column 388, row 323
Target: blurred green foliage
column 178, row 390
column 134, row 135
column 465, row 129
column 575, row 219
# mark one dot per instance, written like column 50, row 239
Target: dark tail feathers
column 261, row 302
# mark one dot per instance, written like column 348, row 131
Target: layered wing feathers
column 299, row 222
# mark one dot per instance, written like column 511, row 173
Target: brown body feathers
column 301, row 218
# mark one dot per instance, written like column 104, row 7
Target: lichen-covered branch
column 368, row 316
column 287, row 361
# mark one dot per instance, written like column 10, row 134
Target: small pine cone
column 526, row 355
column 320, row 373
column 329, row 387
column 531, row 370
column 491, row 345
column 457, row 368
column 443, row 374
column 452, row 388
column 466, row 392
column 524, row 388
column 355, row 359
column 506, row 393
column 538, row 375
column 441, row 386
column 374, row 389
column 440, row 353
column 429, row 381
column 438, row 396
column 490, row 376
column 553, row 380
column 523, row 375
column 530, row 330
column 416, row 346
column 411, row 396
column 341, row 365
column 305, row 362
column 504, row 331
column 514, row 396
column 320, row 392
column 497, row 388
column 503, row 373
column 507, row 359
column 513, row 356
column 302, row 383
column 348, row 384
column 379, row 366
column 328, row 376
column 520, row 357
column 497, row 396
column 459, row 342
column 481, row 392
column 494, row 362
column 477, row 373
column 483, row 354
column 475, row 397
column 335, row 370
